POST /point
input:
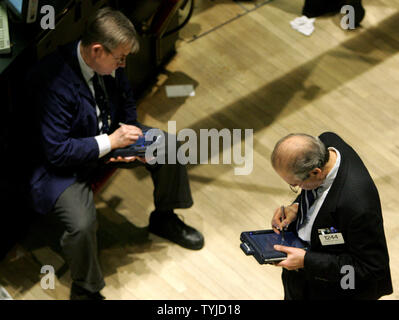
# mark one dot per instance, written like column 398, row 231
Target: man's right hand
column 124, row 136
column 290, row 215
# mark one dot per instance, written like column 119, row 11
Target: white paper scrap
column 4, row 295
column 304, row 25
column 174, row 91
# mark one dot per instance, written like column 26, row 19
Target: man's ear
column 97, row 49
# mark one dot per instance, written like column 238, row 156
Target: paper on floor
column 4, row 295
column 304, row 25
column 173, row 91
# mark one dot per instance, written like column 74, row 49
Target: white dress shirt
column 104, row 144
column 305, row 229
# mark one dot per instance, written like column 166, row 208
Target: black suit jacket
column 352, row 206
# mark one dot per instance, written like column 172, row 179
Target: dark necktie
column 100, row 95
column 308, row 198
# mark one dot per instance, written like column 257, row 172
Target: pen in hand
column 282, row 219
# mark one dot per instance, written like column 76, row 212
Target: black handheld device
column 260, row 244
column 138, row 148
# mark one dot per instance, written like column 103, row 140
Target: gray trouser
column 75, row 209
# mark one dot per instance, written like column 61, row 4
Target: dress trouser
column 75, row 209
column 294, row 282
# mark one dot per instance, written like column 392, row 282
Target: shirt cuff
column 104, row 145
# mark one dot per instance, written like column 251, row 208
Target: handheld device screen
column 266, row 241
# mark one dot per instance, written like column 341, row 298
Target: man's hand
column 295, row 257
column 127, row 159
column 290, row 215
column 124, row 136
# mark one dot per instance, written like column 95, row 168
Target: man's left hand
column 295, row 257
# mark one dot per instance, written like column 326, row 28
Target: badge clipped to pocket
column 330, row 236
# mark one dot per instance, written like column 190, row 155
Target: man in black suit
column 86, row 109
column 338, row 215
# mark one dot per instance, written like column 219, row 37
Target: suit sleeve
column 365, row 250
column 56, row 117
column 292, row 225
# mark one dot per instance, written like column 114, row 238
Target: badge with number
column 330, row 236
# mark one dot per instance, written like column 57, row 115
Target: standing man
column 86, row 109
column 338, row 214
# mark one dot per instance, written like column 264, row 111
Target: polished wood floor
column 251, row 70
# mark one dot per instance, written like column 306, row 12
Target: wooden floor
column 250, row 69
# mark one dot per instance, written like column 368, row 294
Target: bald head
column 299, row 154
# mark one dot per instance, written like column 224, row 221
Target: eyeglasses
column 294, row 189
column 119, row 60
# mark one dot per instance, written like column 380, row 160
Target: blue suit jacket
column 66, row 123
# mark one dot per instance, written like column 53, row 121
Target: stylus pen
column 282, row 219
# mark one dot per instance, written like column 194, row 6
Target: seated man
column 338, row 214
column 85, row 110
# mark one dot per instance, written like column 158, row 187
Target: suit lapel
column 85, row 91
column 326, row 216
column 69, row 52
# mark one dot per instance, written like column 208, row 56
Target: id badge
column 331, row 237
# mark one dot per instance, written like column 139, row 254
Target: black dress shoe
column 359, row 10
column 167, row 225
column 79, row 293
column 316, row 8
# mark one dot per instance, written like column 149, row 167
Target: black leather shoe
column 167, row 225
column 317, row 8
column 359, row 10
column 79, row 293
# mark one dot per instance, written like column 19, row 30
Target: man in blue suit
column 82, row 96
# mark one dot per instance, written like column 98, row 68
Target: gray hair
column 110, row 28
column 312, row 154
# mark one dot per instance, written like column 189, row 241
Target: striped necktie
column 308, row 197
column 102, row 102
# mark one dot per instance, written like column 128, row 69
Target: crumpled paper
column 304, row 25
